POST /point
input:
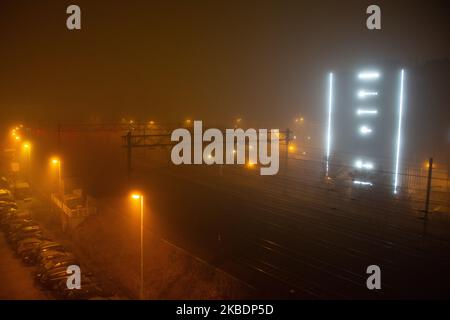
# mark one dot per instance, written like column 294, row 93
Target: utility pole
column 129, row 154
column 59, row 137
column 427, row 201
column 288, row 139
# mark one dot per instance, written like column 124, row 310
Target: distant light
column 26, row 145
column 304, row 152
column 17, row 138
column 365, row 130
column 399, row 133
column 362, row 112
column 363, row 93
column 370, row 75
column 363, row 165
column 309, row 138
column 135, row 196
column 302, row 119
column 363, row 183
column 291, row 148
column 330, row 109
column 295, row 137
column 152, row 122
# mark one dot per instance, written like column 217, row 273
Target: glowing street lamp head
column 55, row 161
column 250, row 165
column 369, row 75
column 362, row 94
column 26, row 146
column 363, row 183
column 17, row 138
column 359, row 164
column 363, row 112
column 365, row 130
column 136, row 196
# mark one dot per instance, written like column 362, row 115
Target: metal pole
column 288, row 141
column 129, row 155
column 29, row 164
column 59, row 177
column 427, row 201
column 142, row 248
column 59, row 138
column 286, row 154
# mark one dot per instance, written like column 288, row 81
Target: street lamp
column 136, row 197
column 27, row 148
column 57, row 163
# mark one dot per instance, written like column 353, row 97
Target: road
column 16, row 279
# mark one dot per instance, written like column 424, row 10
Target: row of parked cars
column 30, row 243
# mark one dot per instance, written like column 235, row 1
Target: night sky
column 265, row 61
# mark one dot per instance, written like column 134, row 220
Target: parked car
column 6, row 207
column 5, row 194
column 33, row 255
column 16, row 224
column 13, row 214
column 4, row 184
column 26, row 245
column 25, row 232
column 7, row 203
column 53, row 276
column 55, row 264
column 52, row 255
column 60, row 287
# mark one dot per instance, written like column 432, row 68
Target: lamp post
column 136, row 196
column 57, row 162
column 27, row 148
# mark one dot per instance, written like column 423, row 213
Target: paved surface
column 16, row 279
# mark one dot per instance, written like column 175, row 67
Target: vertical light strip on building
column 399, row 133
column 330, row 107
